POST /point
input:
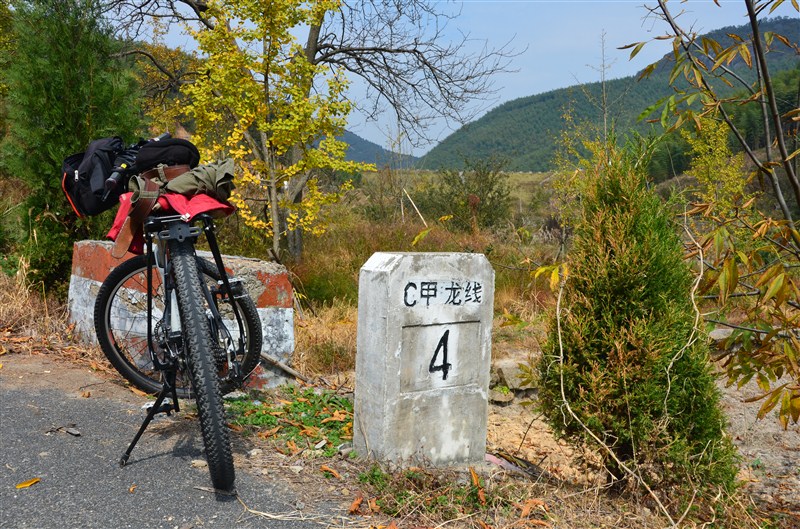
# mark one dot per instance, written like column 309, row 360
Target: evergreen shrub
column 66, row 87
column 634, row 368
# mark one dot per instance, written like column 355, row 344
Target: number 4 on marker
column 445, row 366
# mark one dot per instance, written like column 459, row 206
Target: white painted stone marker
column 424, row 351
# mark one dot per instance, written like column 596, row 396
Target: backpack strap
column 142, row 203
column 147, row 187
column 165, row 173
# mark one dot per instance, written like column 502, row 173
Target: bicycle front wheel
column 202, row 365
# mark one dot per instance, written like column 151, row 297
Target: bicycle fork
column 166, row 228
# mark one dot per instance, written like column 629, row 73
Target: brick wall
column 267, row 283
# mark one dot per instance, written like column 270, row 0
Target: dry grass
column 32, row 322
column 369, row 495
column 325, row 341
column 26, row 309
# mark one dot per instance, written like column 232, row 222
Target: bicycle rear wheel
column 202, row 365
column 120, row 319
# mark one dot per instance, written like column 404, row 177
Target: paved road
column 81, row 484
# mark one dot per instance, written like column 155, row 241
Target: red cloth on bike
column 169, row 203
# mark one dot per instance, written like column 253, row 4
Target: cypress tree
column 634, row 368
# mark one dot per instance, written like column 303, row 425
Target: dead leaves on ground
column 476, row 499
column 371, row 506
column 28, row 483
column 331, row 471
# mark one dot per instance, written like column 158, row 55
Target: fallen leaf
column 132, row 488
column 392, row 525
column 310, row 431
column 338, row 416
column 26, row 484
column 1, row 366
column 86, row 394
column 530, row 505
column 326, row 468
column 356, row 504
column 266, row 434
column 540, row 523
column 235, row 427
column 475, row 479
column 139, row 392
column 373, row 505
column 484, row 525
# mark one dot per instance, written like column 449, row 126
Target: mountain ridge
column 525, row 130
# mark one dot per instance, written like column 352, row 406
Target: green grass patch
column 300, row 419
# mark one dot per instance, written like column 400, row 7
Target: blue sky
column 563, row 41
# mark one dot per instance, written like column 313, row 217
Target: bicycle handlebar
column 127, row 165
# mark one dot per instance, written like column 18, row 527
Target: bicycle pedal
column 166, row 407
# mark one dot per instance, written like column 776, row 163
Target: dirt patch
column 769, row 454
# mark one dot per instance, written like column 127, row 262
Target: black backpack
column 84, row 176
column 169, row 151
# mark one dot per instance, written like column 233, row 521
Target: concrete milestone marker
column 424, row 350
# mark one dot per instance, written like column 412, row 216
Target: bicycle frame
column 157, row 231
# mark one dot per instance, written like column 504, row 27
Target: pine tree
column 65, row 88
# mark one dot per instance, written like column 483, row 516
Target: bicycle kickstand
column 167, row 390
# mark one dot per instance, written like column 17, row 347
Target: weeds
column 298, row 420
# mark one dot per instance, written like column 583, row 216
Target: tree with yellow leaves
column 260, row 100
column 411, row 66
column 748, row 248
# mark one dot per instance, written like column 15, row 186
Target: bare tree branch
column 413, row 63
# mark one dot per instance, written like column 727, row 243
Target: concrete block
column 266, row 282
column 423, row 360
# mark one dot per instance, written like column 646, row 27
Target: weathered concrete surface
column 422, row 367
column 266, row 282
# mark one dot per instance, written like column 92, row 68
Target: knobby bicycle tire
column 120, row 319
column 202, row 366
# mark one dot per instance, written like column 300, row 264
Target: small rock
column 501, row 397
column 296, row 469
column 720, row 333
column 255, row 452
column 510, row 374
column 199, row 463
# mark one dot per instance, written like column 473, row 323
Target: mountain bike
column 176, row 325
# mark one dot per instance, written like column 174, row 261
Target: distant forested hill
column 525, row 130
column 361, row 150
